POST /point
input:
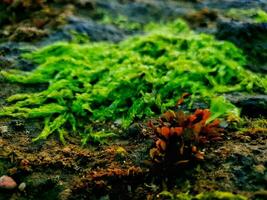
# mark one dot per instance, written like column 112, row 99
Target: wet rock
column 88, row 4
column 10, row 55
column 251, row 37
column 13, row 49
column 146, row 11
column 243, row 4
column 143, row 11
column 17, row 125
column 5, row 62
column 7, row 182
column 95, row 31
column 252, row 105
column 134, row 130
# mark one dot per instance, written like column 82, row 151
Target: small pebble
column 22, row 186
column 3, row 129
column 121, row 152
column 7, row 182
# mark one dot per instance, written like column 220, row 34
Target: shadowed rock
column 252, row 105
column 95, row 31
column 251, row 37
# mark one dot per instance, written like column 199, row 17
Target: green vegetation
column 253, row 126
column 139, row 77
column 219, row 106
column 255, row 15
column 95, row 137
column 216, row 195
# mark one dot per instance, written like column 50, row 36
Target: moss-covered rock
column 250, row 15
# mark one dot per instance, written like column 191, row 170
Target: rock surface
column 251, row 37
column 251, row 105
column 95, row 31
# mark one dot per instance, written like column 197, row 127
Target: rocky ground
column 121, row 168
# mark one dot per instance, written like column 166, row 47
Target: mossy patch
column 215, row 195
column 254, row 15
column 141, row 76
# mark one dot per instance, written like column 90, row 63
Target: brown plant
column 180, row 137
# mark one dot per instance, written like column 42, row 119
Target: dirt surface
column 121, row 168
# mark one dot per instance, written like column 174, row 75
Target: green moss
column 96, row 137
column 219, row 106
column 141, row 76
column 254, row 15
column 216, row 195
column 253, row 126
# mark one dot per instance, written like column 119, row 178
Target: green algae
column 219, row 106
column 98, row 137
column 141, row 76
column 255, row 15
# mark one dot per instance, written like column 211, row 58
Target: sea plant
column 139, row 77
column 180, row 136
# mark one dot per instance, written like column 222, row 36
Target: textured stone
column 251, row 37
column 251, row 105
